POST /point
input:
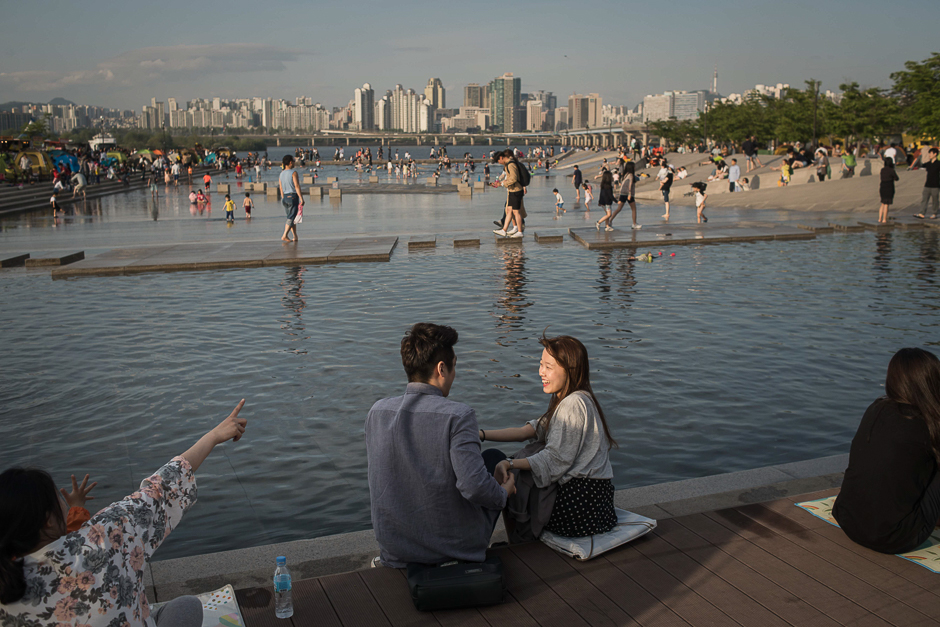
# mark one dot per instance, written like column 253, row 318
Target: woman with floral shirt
column 94, row 577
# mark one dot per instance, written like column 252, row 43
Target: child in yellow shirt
column 229, row 209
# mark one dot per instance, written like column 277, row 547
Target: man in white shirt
column 892, row 153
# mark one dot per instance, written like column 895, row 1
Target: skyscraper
column 594, row 109
column 473, row 96
column 435, row 93
column 364, row 115
column 505, row 95
column 577, row 111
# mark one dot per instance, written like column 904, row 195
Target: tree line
column 911, row 105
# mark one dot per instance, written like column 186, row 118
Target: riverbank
column 316, row 557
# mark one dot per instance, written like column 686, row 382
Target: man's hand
column 232, row 427
column 501, row 471
column 509, row 485
column 79, row 493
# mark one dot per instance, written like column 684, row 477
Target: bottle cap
column 281, row 560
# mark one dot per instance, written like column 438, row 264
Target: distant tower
column 715, row 81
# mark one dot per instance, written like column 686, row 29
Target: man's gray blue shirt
column 432, row 499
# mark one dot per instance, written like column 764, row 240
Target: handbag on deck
column 456, row 584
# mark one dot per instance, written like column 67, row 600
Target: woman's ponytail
column 12, row 580
column 28, row 497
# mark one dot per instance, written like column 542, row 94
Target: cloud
column 162, row 63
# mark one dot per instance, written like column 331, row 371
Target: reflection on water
column 295, row 303
column 882, row 262
column 616, row 267
column 929, row 253
column 512, row 300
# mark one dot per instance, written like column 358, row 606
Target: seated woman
column 890, row 498
column 563, row 481
column 95, row 576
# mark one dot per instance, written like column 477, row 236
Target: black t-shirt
column 933, row 173
column 577, row 178
column 891, row 464
column 748, row 148
column 667, row 182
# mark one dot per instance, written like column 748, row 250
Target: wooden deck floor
column 767, row 565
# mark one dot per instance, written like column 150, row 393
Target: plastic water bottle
column 283, row 604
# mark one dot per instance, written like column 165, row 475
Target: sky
column 121, row 54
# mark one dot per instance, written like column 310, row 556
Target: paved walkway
column 673, row 234
column 211, row 256
column 771, row 564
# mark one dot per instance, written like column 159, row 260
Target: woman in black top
column 606, row 199
column 888, row 177
column 890, row 497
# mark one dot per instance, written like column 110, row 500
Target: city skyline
column 649, row 51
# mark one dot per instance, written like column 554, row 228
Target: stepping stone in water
column 13, row 261
column 54, row 259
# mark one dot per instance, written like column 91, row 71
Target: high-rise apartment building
column 364, row 102
column 434, row 92
column 687, row 104
column 594, row 110
column 473, row 96
column 505, row 103
column 658, row 107
column 533, row 115
column 577, row 112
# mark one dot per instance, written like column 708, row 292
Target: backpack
column 524, row 177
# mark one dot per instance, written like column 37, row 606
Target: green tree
column 871, row 113
column 918, row 88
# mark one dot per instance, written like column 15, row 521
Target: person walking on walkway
column 606, row 198
column 291, row 197
column 664, row 186
column 888, row 176
column 931, row 193
column 515, row 192
column 578, row 179
column 627, row 195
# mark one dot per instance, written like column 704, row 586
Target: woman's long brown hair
column 572, row 356
column 914, row 379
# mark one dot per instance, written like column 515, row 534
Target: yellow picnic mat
column 926, row 555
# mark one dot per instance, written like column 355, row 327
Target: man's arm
column 473, row 481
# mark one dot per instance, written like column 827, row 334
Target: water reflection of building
column 616, row 268
column 513, row 300
column 295, row 303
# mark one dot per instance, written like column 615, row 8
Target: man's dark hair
column 423, row 347
column 933, row 151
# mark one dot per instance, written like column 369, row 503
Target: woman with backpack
column 515, row 182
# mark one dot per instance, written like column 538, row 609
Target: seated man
column 433, row 498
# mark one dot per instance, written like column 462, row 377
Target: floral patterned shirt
column 94, row 577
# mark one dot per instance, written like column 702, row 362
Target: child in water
column 229, row 209
column 700, row 197
column 248, row 205
column 559, row 201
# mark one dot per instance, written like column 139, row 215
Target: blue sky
column 122, row 54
